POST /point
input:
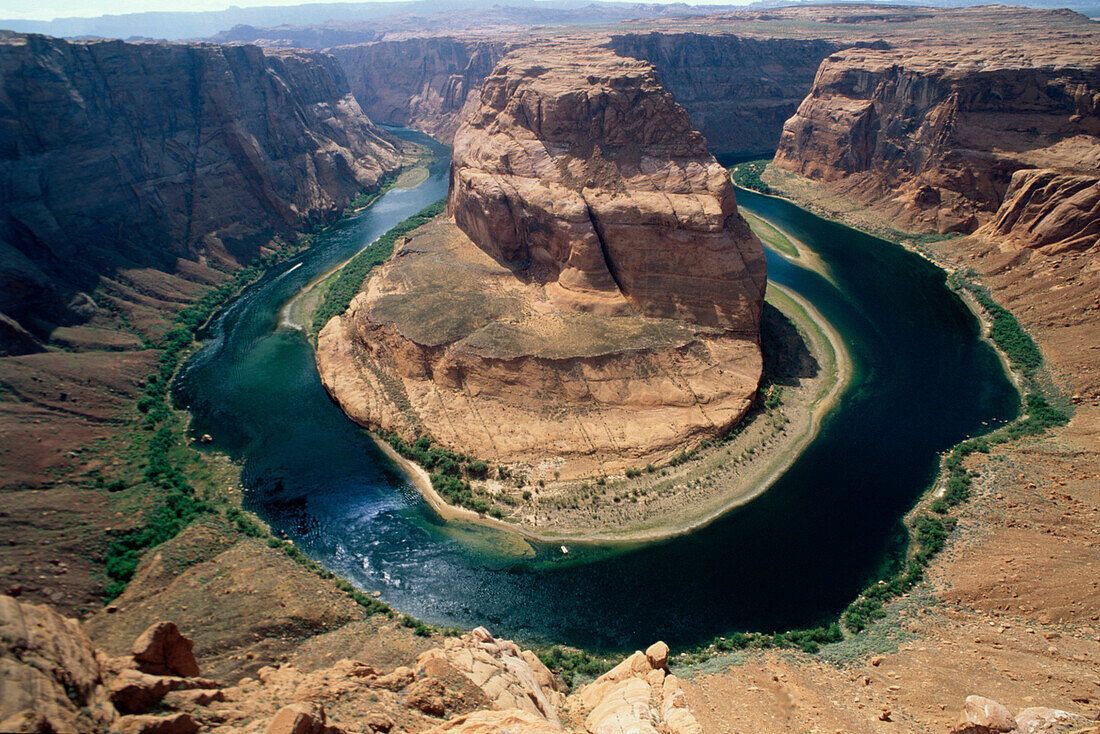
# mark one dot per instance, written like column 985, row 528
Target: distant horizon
column 53, row 10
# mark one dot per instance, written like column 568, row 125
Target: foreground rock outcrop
column 123, row 155
column 597, row 306
column 931, row 139
column 55, row 680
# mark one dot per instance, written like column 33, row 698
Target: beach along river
column 794, row 557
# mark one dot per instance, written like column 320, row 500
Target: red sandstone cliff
column 579, row 161
column 932, row 137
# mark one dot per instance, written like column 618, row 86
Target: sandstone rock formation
column 638, row 696
column 933, row 138
column 578, row 161
column 55, row 680
column 448, row 342
column 421, row 82
column 738, row 90
column 1050, row 211
column 603, row 311
column 127, row 155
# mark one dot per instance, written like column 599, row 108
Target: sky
column 50, row 9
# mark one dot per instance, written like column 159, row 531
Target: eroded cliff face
column 579, row 161
column 421, row 82
column 738, row 91
column 597, row 306
column 123, row 155
column 932, row 138
column 1048, row 210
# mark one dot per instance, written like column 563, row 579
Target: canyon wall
column 122, row 155
column 738, row 91
column 932, row 138
column 421, row 82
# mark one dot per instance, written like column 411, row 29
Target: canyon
column 603, row 295
column 892, row 128
column 132, row 158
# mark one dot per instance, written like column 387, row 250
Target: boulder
column 982, row 715
column 174, row 724
column 301, row 718
column 512, row 721
column 657, row 655
column 1038, row 719
column 134, row 692
column 162, row 650
column 396, row 680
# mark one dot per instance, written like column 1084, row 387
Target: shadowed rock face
column 421, row 82
column 579, row 166
column 932, row 138
column 739, row 91
column 117, row 154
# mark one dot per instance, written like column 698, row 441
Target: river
column 796, row 556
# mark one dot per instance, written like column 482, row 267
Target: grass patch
column 771, row 235
column 339, row 293
column 570, row 663
column 747, row 175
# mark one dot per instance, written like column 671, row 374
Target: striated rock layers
column 120, row 155
column 599, row 308
column 421, row 82
column 932, row 138
column 579, row 161
column 739, row 91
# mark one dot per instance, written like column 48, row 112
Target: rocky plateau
column 609, row 300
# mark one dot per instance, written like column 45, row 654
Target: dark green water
column 792, row 558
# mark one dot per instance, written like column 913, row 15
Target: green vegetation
column 806, row 640
column 340, row 292
column 450, row 473
column 770, row 235
column 1006, row 331
column 747, row 175
column 929, row 530
column 568, row 663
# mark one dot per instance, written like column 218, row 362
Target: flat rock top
column 441, row 289
column 572, row 95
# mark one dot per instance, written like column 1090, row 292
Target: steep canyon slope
column 932, row 138
column 421, row 82
column 118, row 155
column 738, row 90
column 134, row 179
column 605, row 295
